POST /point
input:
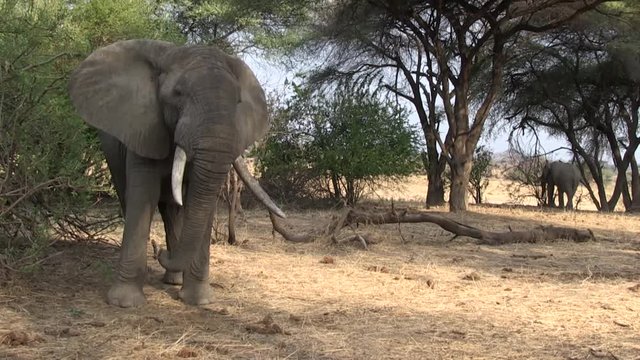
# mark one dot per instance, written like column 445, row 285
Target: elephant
column 565, row 177
column 171, row 121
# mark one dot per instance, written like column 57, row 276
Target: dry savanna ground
column 417, row 294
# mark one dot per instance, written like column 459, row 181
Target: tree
column 342, row 145
column 581, row 84
column 427, row 50
column 480, row 172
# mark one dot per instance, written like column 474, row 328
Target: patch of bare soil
column 419, row 296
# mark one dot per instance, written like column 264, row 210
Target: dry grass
column 429, row 298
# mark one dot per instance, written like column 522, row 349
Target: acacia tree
column 432, row 49
column 581, row 84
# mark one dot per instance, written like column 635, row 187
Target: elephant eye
column 177, row 92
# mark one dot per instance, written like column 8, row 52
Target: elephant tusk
column 258, row 191
column 177, row 174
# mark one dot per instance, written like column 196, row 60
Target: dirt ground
column 417, row 294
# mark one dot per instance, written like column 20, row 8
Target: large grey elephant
column 563, row 176
column 171, row 120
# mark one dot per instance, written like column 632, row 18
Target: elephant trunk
column 206, row 181
column 177, row 175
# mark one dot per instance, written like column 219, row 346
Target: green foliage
column 51, row 167
column 337, row 147
column 235, row 25
column 102, row 22
column 480, row 172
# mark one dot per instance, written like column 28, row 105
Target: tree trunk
column 460, row 171
column 435, row 191
column 351, row 192
column 621, row 188
column 635, row 187
column 234, row 187
column 434, row 165
column 596, row 174
column 336, row 187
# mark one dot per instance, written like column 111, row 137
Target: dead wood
column 351, row 218
column 540, row 233
column 365, row 240
column 287, row 234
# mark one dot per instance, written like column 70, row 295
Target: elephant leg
column 172, row 219
column 550, row 195
column 141, row 197
column 116, row 155
column 560, row 199
column 570, row 201
column 196, row 289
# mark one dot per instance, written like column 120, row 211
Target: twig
column 35, row 189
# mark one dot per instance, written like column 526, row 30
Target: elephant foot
column 196, row 293
column 172, row 277
column 125, row 294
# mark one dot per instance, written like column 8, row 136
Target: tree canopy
column 581, row 84
column 240, row 25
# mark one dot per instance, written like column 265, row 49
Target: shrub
column 524, row 172
column 480, row 172
column 337, row 147
column 51, row 167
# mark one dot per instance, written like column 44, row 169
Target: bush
column 336, row 148
column 51, row 167
column 480, row 172
column 525, row 173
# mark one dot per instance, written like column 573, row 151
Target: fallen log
column 351, row 218
column 537, row 234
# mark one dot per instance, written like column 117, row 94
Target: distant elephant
column 171, row 121
column 565, row 177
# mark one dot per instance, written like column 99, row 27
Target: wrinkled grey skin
column 565, row 177
column 145, row 97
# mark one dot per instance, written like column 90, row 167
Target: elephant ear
column 252, row 119
column 116, row 90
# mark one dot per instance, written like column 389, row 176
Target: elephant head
column 196, row 102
